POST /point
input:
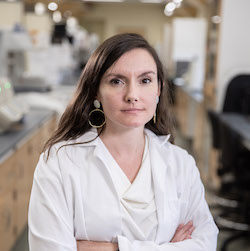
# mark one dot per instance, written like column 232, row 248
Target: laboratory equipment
column 14, row 45
column 12, row 110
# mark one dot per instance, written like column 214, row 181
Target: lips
column 132, row 110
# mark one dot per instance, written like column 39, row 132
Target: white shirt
column 139, row 218
column 74, row 198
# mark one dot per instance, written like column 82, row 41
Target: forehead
column 136, row 60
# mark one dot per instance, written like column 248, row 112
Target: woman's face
column 129, row 89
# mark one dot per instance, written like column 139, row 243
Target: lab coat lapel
column 114, row 213
column 102, row 210
column 165, row 191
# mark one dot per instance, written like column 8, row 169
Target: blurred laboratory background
column 203, row 44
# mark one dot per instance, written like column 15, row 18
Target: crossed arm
column 183, row 232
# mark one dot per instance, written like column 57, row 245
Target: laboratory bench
column 19, row 153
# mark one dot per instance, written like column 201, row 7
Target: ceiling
column 79, row 7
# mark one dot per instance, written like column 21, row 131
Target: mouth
column 132, row 110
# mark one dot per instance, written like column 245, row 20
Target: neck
column 124, row 141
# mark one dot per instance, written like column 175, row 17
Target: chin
column 130, row 123
column 133, row 124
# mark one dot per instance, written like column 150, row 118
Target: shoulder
column 65, row 154
column 174, row 156
column 179, row 154
column 163, row 144
column 65, row 148
column 182, row 163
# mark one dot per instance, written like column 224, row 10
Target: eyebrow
column 124, row 77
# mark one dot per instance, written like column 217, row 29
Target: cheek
column 151, row 102
column 151, row 99
column 110, row 103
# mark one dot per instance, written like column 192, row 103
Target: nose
column 131, row 99
column 131, row 93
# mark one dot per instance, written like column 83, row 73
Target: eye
column 146, row 80
column 116, row 81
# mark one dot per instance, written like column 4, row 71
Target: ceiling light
column 177, row 1
column 57, row 16
column 103, row 1
column 52, row 6
column 170, row 7
column 168, row 13
column 72, row 22
column 178, row 5
column 151, row 1
column 216, row 19
column 39, row 8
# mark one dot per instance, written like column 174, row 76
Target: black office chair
column 235, row 214
column 237, row 98
column 233, row 196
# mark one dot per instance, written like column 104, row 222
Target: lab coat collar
column 162, row 140
column 91, row 138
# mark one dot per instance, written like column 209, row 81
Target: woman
column 109, row 178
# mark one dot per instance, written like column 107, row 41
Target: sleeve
column 204, row 237
column 50, row 224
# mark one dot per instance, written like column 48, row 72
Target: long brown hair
column 74, row 121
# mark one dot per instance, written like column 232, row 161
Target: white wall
column 148, row 18
column 189, row 44
column 10, row 14
column 234, row 44
column 37, row 23
column 167, row 47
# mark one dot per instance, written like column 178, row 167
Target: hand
column 96, row 246
column 183, row 232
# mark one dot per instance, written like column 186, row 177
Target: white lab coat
column 74, row 198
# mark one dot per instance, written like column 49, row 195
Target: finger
column 180, row 236
column 184, row 227
column 179, row 227
column 182, row 231
column 187, row 227
column 191, row 230
column 189, row 233
column 178, row 231
column 186, row 230
column 188, row 237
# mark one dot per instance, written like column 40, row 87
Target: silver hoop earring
column 97, row 117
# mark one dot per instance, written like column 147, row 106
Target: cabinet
column 16, row 177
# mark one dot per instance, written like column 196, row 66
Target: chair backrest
column 230, row 146
column 237, row 98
